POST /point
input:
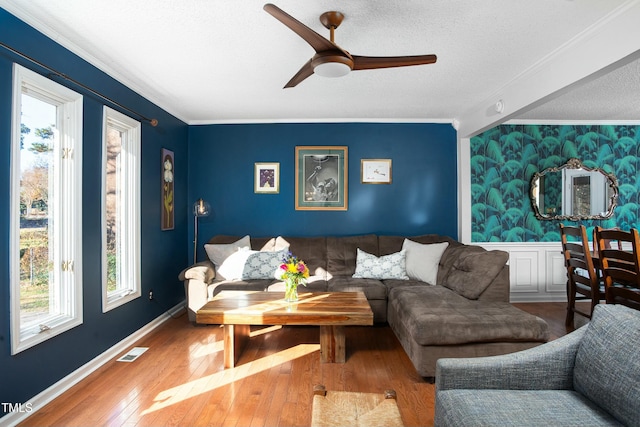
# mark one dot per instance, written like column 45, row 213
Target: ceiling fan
column 330, row 59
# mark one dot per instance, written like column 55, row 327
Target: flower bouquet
column 293, row 272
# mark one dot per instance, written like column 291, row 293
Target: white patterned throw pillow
column 246, row 264
column 262, row 265
column 233, row 266
column 369, row 266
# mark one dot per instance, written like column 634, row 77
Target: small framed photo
column 321, row 178
column 375, row 171
column 267, row 178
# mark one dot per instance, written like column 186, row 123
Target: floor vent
column 133, row 354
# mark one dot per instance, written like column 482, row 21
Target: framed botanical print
column 168, row 172
column 266, row 178
column 321, row 178
column 375, row 171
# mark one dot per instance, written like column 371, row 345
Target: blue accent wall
column 215, row 162
column 422, row 197
column 504, row 159
column 164, row 253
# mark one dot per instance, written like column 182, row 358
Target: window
column 120, row 210
column 46, row 214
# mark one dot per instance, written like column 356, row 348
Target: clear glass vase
column 291, row 290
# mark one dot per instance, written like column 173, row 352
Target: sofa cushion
column 423, row 260
column 311, row 250
column 238, row 285
column 218, row 252
column 396, row 283
column 391, row 266
column 342, row 251
column 434, row 315
column 473, row 271
column 372, row 288
column 518, row 408
column 607, row 368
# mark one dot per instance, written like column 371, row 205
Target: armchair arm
column 546, row 367
column 196, row 280
column 203, row 271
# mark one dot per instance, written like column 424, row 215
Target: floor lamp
column 200, row 208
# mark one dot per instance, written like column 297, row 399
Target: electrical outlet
column 150, row 295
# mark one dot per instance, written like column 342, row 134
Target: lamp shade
column 201, row 208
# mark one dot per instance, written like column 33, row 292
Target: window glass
column 38, row 280
column 121, row 211
column 46, row 215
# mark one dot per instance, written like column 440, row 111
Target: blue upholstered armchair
column 590, row 377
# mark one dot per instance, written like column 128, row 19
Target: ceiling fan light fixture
column 332, row 69
column 331, row 64
column 330, row 59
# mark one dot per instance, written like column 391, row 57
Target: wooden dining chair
column 620, row 267
column 607, row 242
column 583, row 282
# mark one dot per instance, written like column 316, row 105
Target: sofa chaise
column 441, row 298
column 589, row 377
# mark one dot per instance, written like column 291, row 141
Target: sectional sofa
column 441, row 298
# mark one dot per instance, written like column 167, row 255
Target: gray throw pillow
column 217, row 253
column 423, row 260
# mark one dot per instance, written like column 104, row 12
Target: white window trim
column 69, row 105
column 131, row 139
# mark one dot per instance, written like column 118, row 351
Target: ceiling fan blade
column 316, row 41
column 302, row 74
column 373, row 62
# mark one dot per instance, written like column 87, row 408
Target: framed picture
column 267, row 178
column 321, row 178
column 375, row 171
column 168, row 173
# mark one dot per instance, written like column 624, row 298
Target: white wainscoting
column 537, row 270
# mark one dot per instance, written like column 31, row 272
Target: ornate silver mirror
column 574, row 192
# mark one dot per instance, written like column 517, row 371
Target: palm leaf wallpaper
column 504, row 159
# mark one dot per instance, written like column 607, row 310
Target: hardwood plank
column 181, row 379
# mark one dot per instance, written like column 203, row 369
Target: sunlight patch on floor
column 262, row 331
column 208, row 383
column 204, row 350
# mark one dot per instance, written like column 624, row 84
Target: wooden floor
column 180, row 380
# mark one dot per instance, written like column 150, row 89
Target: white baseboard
column 46, row 396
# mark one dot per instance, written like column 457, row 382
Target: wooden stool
column 345, row 408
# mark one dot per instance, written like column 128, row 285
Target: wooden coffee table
column 332, row 311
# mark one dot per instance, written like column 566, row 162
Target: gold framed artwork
column 168, row 172
column 375, row 171
column 321, row 178
column 266, row 178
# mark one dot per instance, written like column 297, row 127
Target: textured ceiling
column 221, row 61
